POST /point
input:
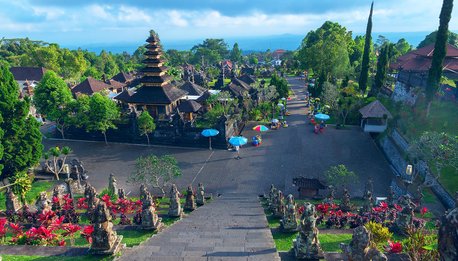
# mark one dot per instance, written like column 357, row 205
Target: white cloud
column 177, row 19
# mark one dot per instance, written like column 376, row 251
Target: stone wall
column 394, row 147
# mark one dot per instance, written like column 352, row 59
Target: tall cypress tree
column 367, row 49
column 382, row 66
column 440, row 49
column 22, row 138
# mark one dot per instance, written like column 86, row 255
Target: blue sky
column 94, row 21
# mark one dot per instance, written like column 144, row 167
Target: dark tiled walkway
column 232, row 227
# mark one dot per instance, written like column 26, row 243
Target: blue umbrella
column 322, row 117
column 238, row 141
column 210, row 133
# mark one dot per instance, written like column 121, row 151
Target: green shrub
column 379, row 233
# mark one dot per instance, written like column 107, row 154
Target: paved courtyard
column 284, row 154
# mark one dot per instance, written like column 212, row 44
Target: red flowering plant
column 323, row 208
column 300, row 210
column 394, row 247
column 423, row 211
column 3, row 228
column 70, row 230
column 87, row 233
column 82, row 203
column 46, row 217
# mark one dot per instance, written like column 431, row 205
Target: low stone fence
column 394, row 147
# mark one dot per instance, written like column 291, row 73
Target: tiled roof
column 152, row 95
column 192, row 88
column 90, row 86
column 28, row 73
column 241, row 83
column 189, row 106
column 123, row 77
column 420, row 60
column 204, row 97
column 247, row 79
column 375, row 109
column 235, row 90
column 307, row 183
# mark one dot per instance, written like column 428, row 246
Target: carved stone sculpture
column 359, row 248
column 150, row 220
column 448, row 235
column 331, row 196
column 104, row 239
column 279, row 205
column 368, row 202
column 91, row 198
column 190, row 203
column 404, row 218
column 12, row 202
column 272, row 193
column 112, row 185
column 56, row 198
column 143, row 191
column 200, row 197
column 307, row 245
column 121, row 193
column 175, row 205
column 345, row 204
column 289, row 221
column 43, row 203
column 391, row 197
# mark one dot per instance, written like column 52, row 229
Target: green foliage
column 327, row 50
column 340, row 175
column 146, row 124
column 330, row 95
column 56, row 154
column 155, row 171
column 236, row 53
column 431, row 38
column 51, row 98
column 379, row 233
column 21, row 140
column 367, row 48
column 280, row 84
column 102, row 114
column 435, row 71
column 421, row 245
column 402, row 47
column 382, row 66
column 22, row 184
column 211, row 51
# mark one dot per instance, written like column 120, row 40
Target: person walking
column 238, row 152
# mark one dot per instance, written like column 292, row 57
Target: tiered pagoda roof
column 156, row 87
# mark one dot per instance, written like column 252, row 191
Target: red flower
column 300, row 210
column 323, row 208
column 377, row 209
column 2, row 227
column 82, row 203
column 87, row 233
column 17, row 229
column 71, row 229
column 383, row 205
column 423, row 210
column 55, row 200
column 57, row 223
column 397, row 207
column 394, row 247
column 62, row 242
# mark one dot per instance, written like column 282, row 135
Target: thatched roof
column 307, row 183
column 189, row 106
column 91, row 86
column 375, row 109
column 192, row 88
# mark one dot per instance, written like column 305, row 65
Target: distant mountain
column 259, row 43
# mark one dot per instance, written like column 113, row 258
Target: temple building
column 156, row 94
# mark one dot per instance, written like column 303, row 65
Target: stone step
column 231, row 227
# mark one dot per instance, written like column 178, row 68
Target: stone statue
column 12, row 202
column 306, row 245
column 200, row 197
column 56, row 198
column 289, row 221
column 143, row 191
column 104, row 239
column 369, row 186
column 391, row 197
column 42, row 203
column 272, row 193
column 121, row 193
column 420, row 196
column 359, row 248
column 404, row 218
column 112, row 186
column 368, row 202
column 448, row 235
column 150, row 220
column 91, row 198
column 331, row 195
column 345, row 204
column 175, row 205
column 279, row 208
column 190, row 203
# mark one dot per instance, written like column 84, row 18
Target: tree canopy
column 211, row 52
column 102, row 114
column 452, row 38
column 367, row 49
column 146, row 124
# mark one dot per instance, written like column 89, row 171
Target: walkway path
column 231, row 227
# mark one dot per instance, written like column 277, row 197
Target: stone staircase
column 231, row 227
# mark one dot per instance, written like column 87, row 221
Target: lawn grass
column 329, row 242
column 32, row 195
column 449, row 179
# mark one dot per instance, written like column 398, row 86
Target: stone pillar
column 105, row 241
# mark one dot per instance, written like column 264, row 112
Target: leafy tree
column 146, row 124
column 158, row 172
column 236, row 53
column 327, row 50
column 357, row 52
column 51, row 99
column 344, row 106
column 330, row 95
column 439, row 150
column 177, row 58
column 452, row 38
column 440, row 49
column 402, row 47
column 340, row 175
column 102, row 114
column 367, row 48
column 212, row 51
column 382, row 66
column 56, row 155
column 21, row 184
column 21, row 140
column 280, row 84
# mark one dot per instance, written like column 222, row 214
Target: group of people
column 313, row 105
